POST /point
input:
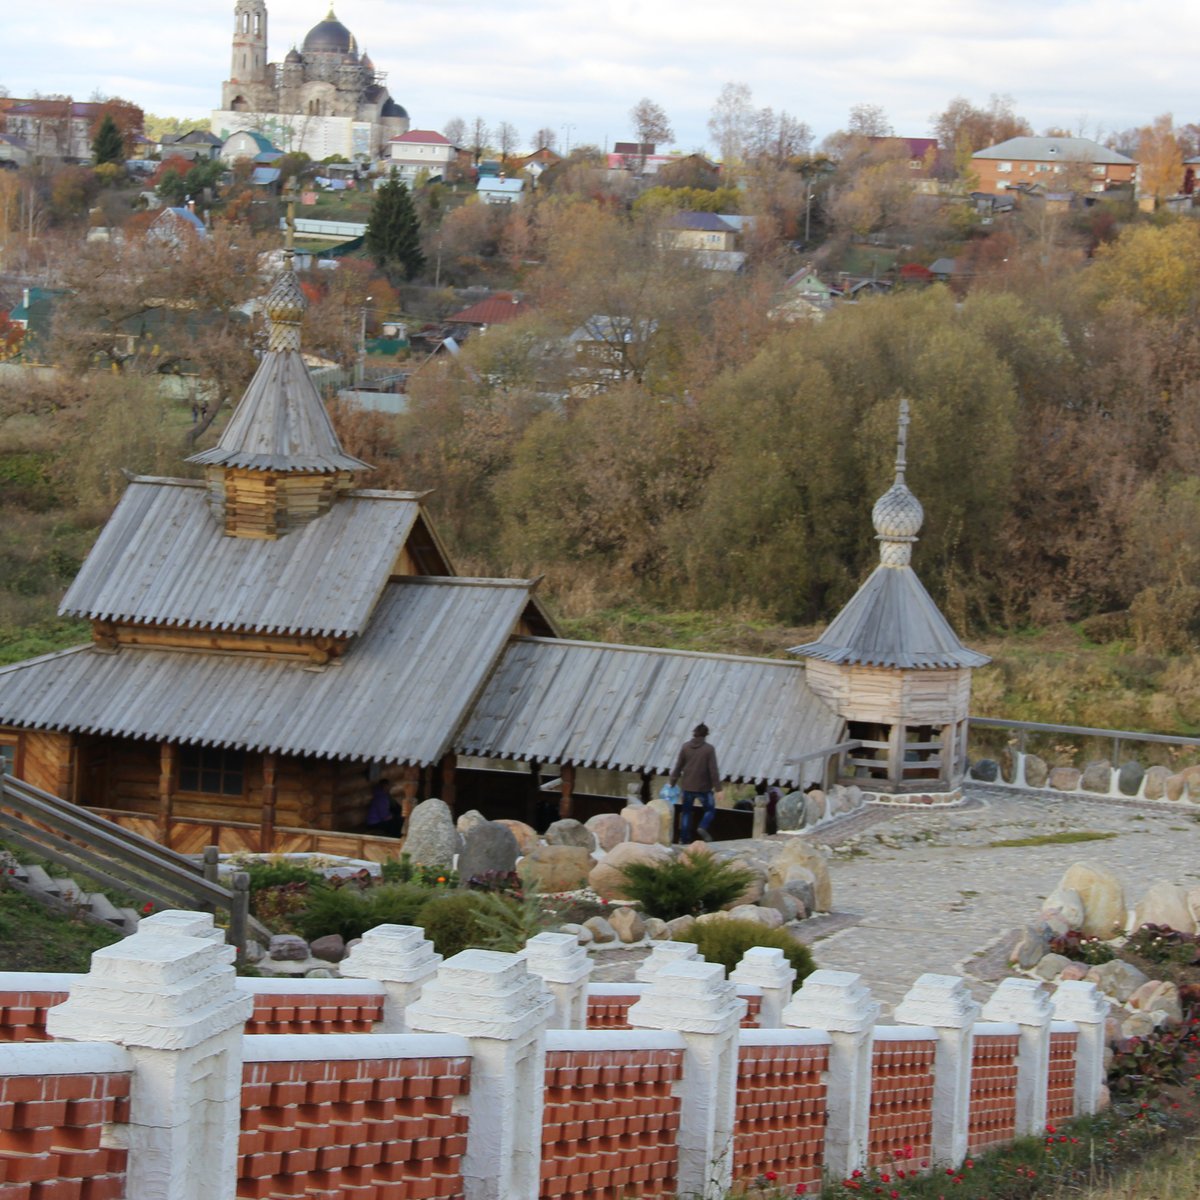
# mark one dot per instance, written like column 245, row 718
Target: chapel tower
column 249, row 62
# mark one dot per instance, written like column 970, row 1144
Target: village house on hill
column 1056, row 163
column 268, row 641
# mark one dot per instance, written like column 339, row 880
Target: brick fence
column 507, row 1077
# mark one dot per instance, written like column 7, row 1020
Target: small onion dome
column 286, row 302
column 392, row 109
column 898, row 513
column 366, row 61
column 329, row 36
column 293, row 56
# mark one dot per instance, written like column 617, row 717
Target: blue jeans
column 709, row 800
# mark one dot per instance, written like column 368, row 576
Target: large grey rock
column 602, row 931
column 1129, row 778
column 1036, row 771
column 1158, row 995
column 666, row 820
column 801, row 884
column 1165, row 904
column 487, row 848
column 787, row 905
column 468, row 820
column 431, row 839
column 1176, row 787
column 656, row 929
column 789, row 812
column 678, row 926
column 986, row 770
column 608, row 877
column 527, row 837
column 569, row 832
column 798, row 853
column 580, row 933
column 752, row 892
column 1050, row 966
column 1156, row 782
column 628, row 924
column 816, row 808
column 1118, row 979
column 770, row 918
column 1102, row 897
column 1030, row 946
column 287, row 947
column 555, row 869
column 1008, row 765
column 1097, row 777
column 1067, row 904
column 610, row 829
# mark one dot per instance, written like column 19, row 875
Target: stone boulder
column 1130, row 777
column 1097, row 777
column 1118, row 979
column 602, row 932
column 527, row 837
column 609, row 829
column 1030, row 946
column 488, row 847
column 656, row 929
column 1065, row 779
column 555, row 869
column 1073, row 972
column 1165, row 904
column 581, row 934
column 752, row 892
column 801, row 884
column 431, row 839
column 607, row 877
column 1102, row 897
column 1036, row 771
column 986, row 770
column 678, row 926
column 628, row 924
column 643, row 824
column 787, row 905
column 816, row 808
column 798, row 853
column 287, row 947
column 790, row 811
column 1066, row 904
column 770, row 918
column 1050, row 966
column 330, row 948
column 1176, row 787
column 469, row 820
column 1158, row 995
column 569, row 832
column 1008, row 765
column 1156, row 782
column 666, row 820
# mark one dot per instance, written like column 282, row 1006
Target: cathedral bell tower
column 249, row 63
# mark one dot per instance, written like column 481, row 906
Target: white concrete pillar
column 1024, row 1002
column 767, row 968
column 839, row 1003
column 1084, row 1003
column 493, row 1001
column 399, row 957
column 943, row 1003
column 171, row 1000
column 665, row 954
column 695, row 999
column 564, row 966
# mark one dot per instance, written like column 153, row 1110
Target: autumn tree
column 870, row 121
column 730, row 122
column 456, row 131
column 964, row 128
column 651, row 126
column 1160, row 159
column 478, row 136
column 393, row 237
column 507, row 139
column 543, row 139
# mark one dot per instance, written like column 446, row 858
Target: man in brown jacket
column 696, row 769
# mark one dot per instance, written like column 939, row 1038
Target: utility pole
column 361, row 372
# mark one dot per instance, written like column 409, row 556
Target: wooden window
column 211, row 770
column 8, row 755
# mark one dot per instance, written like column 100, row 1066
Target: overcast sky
column 579, row 67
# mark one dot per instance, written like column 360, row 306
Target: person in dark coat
column 697, row 772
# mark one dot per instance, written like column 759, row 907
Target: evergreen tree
column 393, row 236
column 108, row 145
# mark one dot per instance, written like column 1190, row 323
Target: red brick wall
column 993, row 1119
column 610, row 1123
column 353, row 1129
column 779, row 1124
column 285, row 1012
column 23, row 1014
column 901, row 1101
column 50, row 1130
column 612, row 1012
column 1060, row 1095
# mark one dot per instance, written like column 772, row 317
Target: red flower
column 1051, row 1129
column 885, row 1178
column 147, row 908
column 895, row 1195
column 856, row 1174
column 770, row 1176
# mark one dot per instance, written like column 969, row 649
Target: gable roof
column 261, row 140
column 630, row 708
column 427, row 137
column 703, row 221
column 397, row 696
column 492, row 310
column 492, row 183
column 162, row 558
column 1055, row 149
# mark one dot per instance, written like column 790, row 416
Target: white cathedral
column 325, row 98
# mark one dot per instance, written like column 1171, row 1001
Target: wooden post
column 647, row 780
column 449, row 761
column 411, row 784
column 535, row 781
column 167, row 757
column 566, row 799
column 267, row 832
column 895, row 769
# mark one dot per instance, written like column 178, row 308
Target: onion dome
column 285, row 307
column 365, row 61
column 293, row 56
column 898, row 515
column 392, row 109
column 330, row 36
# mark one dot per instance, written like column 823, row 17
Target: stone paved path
column 918, row 890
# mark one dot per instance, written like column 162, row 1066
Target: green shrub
column 725, row 942
column 452, row 921
column 404, row 870
column 351, row 912
column 507, row 922
column 687, row 886
column 277, row 872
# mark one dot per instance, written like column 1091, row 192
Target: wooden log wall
column 887, row 696
column 48, row 761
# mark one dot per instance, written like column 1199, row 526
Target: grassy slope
column 34, row 938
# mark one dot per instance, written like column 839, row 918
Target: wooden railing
column 81, row 841
column 1116, row 736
